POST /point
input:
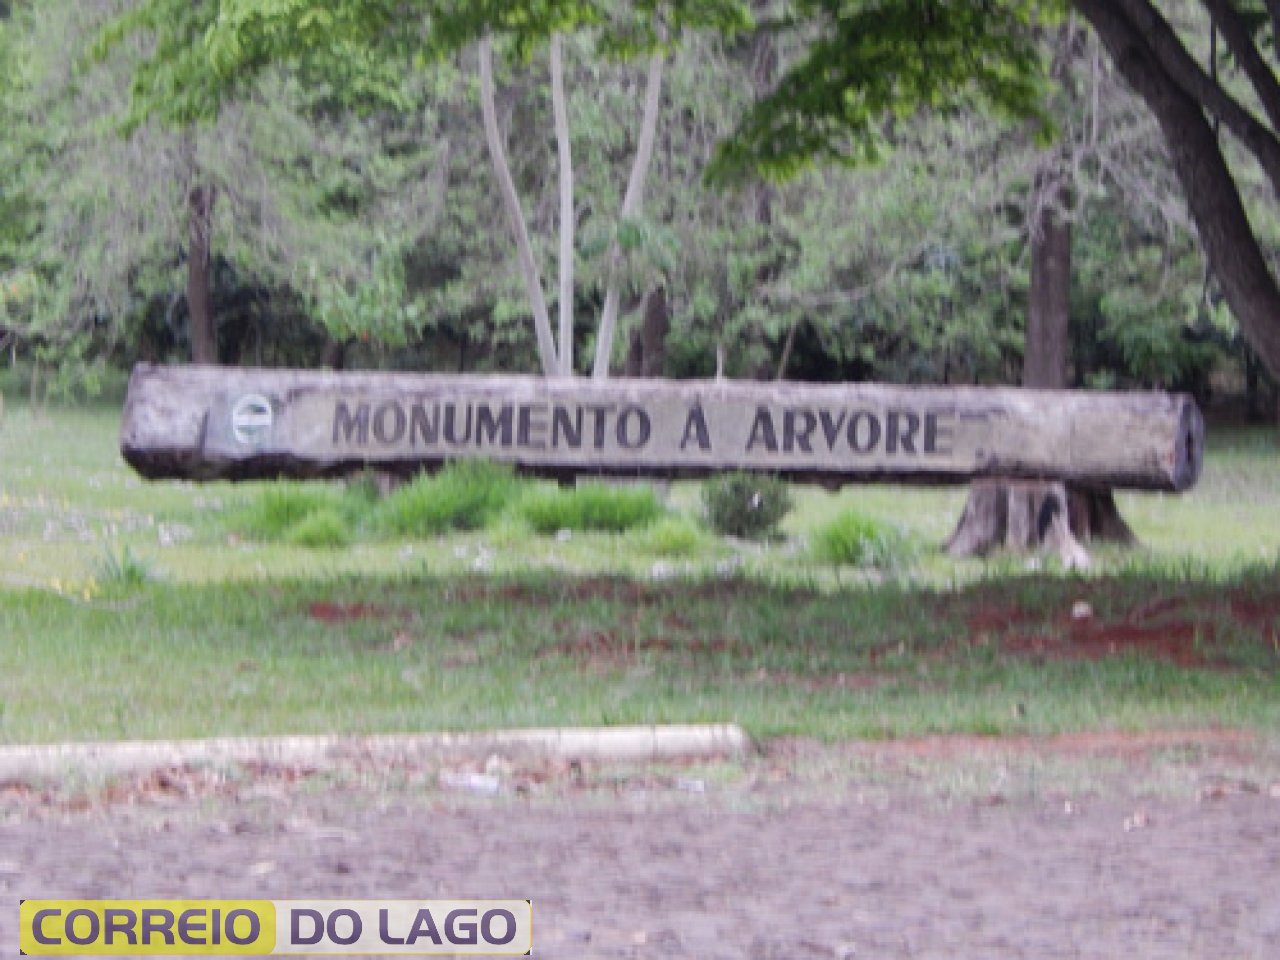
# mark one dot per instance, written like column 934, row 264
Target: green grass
column 280, row 509
column 591, row 507
column 674, row 536
column 463, row 496
column 321, row 528
column 428, row 653
column 219, row 637
column 853, row 538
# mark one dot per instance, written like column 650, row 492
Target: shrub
column 282, row 506
column 323, row 528
column 465, row 495
column 592, row 506
column 746, row 505
column 854, row 539
column 674, row 537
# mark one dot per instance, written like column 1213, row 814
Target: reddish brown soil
column 1109, row 743
column 327, row 612
column 1183, row 631
column 620, row 590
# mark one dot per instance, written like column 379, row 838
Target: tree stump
column 1033, row 515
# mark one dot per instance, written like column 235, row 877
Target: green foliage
column 859, row 540
column 326, row 527
column 749, row 505
column 674, row 536
column 465, row 495
column 124, row 570
column 281, row 508
column 591, row 506
column 251, row 33
column 874, row 62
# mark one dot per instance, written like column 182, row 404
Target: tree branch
column 1230, row 246
column 567, row 220
column 1273, row 8
column 631, row 203
column 1149, row 29
column 511, row 202
column 1242, row 46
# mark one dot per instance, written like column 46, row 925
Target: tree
column 280, row 216
column 870, row 60
column 247, row 35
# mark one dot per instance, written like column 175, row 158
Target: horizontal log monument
column 222, row 422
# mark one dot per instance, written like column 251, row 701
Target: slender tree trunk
column 334, row 354
column 763, row 71
column 647, row 352
column 653, row 333
column 632, row 202
column 515, row 216
column 204, row 339
column 567, row 218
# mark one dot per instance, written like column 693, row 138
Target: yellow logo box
column 85, row 928
column 68, row 928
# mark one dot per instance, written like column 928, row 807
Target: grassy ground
column 505, row 628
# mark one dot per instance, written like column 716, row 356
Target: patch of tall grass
column 857, row 540
column 591, row 506
column 465, row 495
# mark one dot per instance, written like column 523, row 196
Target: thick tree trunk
column 1017, row 515
column 212, row 421
column 1039, row 515
column 1174, row 92
column 1044, row 359
column 204, row 339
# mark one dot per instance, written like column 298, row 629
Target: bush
column 592, row 506
column 283, row 506
column 465, row 495
column 323, row 528
column 854, row 539
column 746, row 505
column 674, row 537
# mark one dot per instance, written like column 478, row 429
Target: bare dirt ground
column 1155, row 846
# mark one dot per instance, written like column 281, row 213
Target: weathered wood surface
column 219, row 422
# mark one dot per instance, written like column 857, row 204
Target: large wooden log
column 218, row 422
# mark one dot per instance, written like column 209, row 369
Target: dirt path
column 691, row 868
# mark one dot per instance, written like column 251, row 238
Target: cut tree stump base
column 1037, row 516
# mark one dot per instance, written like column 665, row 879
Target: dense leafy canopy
column 356, row 209
column 869, row 63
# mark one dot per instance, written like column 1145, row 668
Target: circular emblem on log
column 251, row 419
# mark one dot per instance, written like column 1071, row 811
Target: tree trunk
column 647, row 352
column 1044, row 358
column 568, row 221
column 334, row 354
column 204, row 339
column 233, row 422
column 515, row 215
column 1035, row 515
column 632, row 202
